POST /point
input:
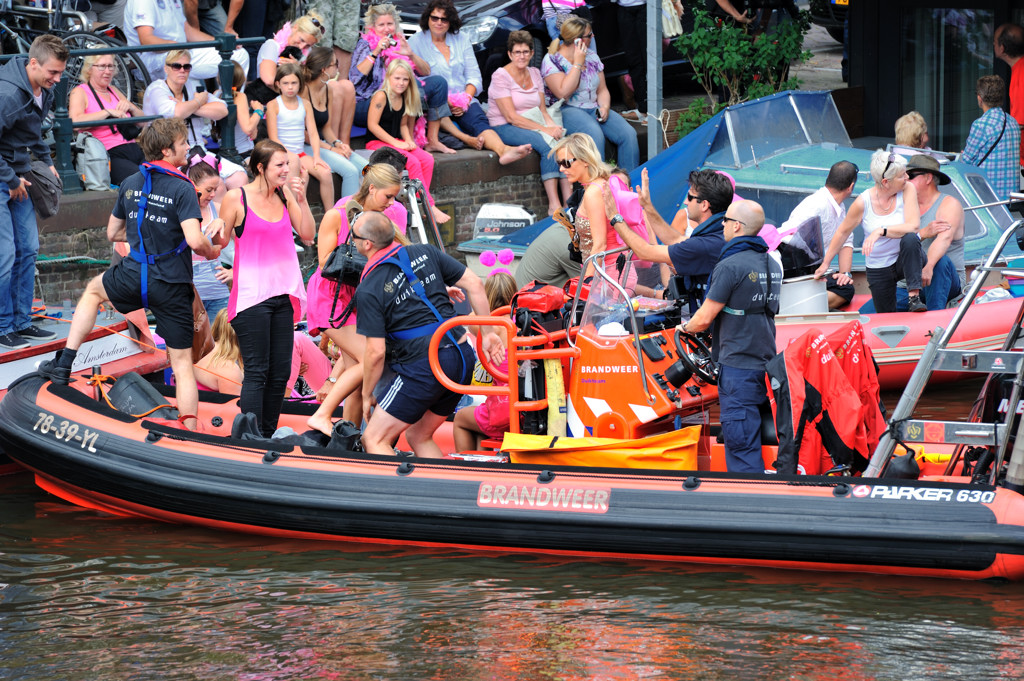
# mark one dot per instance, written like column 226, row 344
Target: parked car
column 488, row 23
column 830, row 15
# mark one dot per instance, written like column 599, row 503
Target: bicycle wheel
column 130, row 76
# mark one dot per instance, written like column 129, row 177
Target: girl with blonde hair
column 220, row 370
column 390, row 121
column 326, row 299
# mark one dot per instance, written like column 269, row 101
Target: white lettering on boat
column 65, row 430
column 970, row 496
column 544, row 497
column 608, row 369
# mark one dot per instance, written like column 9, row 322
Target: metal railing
column 63, row 126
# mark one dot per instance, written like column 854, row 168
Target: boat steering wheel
column 696, row 357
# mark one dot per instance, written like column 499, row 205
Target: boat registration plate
column 67, row 431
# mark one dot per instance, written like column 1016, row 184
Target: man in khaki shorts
column 341, row 28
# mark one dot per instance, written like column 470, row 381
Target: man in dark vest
column 742, row 300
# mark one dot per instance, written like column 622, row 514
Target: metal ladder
column 937, row 357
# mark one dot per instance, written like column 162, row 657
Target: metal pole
column 226, row 46
column 654, row 80
column 63, row 135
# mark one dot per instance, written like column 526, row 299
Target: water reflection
column 88, row 596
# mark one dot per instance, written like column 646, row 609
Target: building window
column 945, row 51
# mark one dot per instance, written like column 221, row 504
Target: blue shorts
column 413, row 390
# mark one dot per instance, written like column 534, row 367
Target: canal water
column 88, row 596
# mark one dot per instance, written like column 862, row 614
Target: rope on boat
column 70, row 259
column 97, row 381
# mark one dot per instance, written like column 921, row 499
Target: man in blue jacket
column 25, row 98
column 692, row 257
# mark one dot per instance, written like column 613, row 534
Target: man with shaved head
column 740, row 306
column 401, row 301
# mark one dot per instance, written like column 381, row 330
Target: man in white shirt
column 156, row 22
column 827, row 205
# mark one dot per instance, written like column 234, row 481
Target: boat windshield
column 606, row 312
column 762, row 128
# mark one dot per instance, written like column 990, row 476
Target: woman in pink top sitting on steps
column 268, row 295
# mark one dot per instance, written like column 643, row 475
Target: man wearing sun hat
column 941, row 232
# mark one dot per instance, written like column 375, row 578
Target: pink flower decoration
column 459, row 99
column 488, row 259
column 506, row 256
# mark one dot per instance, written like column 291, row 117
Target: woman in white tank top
column 888, row 211
column 291, row 124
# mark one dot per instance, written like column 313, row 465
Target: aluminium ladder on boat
column 938, row 357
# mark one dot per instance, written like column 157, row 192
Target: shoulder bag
column 345, row 264
column 129, row 131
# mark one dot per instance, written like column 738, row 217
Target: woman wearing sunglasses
column 302, row 34
column 572, row 71
column 176, row 97
column 449, row 54
column 581, row 163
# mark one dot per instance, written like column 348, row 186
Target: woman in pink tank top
column 267, row 296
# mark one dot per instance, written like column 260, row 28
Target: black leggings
column 265, row 339
column 125, row 160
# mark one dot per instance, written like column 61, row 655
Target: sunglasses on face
column 180, row 67
column 691, row 197
column 729, row 219
column 440, row 20
column 566, row 163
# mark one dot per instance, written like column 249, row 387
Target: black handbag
column 129, row 131
column 345, row 264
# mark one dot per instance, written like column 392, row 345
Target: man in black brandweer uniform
column 157, row 213
column 401, row 301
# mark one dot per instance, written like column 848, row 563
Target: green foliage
column 693, row 116
column 745, row 65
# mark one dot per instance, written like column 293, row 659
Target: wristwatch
column 616, row 218
column 332, row 379
column 885, row 231
column 847, row 274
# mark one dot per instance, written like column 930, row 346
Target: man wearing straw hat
column 941, row 232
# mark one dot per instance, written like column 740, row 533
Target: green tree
column 731, row 59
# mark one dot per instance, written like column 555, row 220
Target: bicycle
column 16, row 34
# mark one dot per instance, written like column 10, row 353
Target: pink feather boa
column 281, row 38
column 390, row 54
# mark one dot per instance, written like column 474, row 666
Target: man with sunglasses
column 159, row 22
column 741, row 304
column 401, row 300
column 692, row 257
column 826, row 204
